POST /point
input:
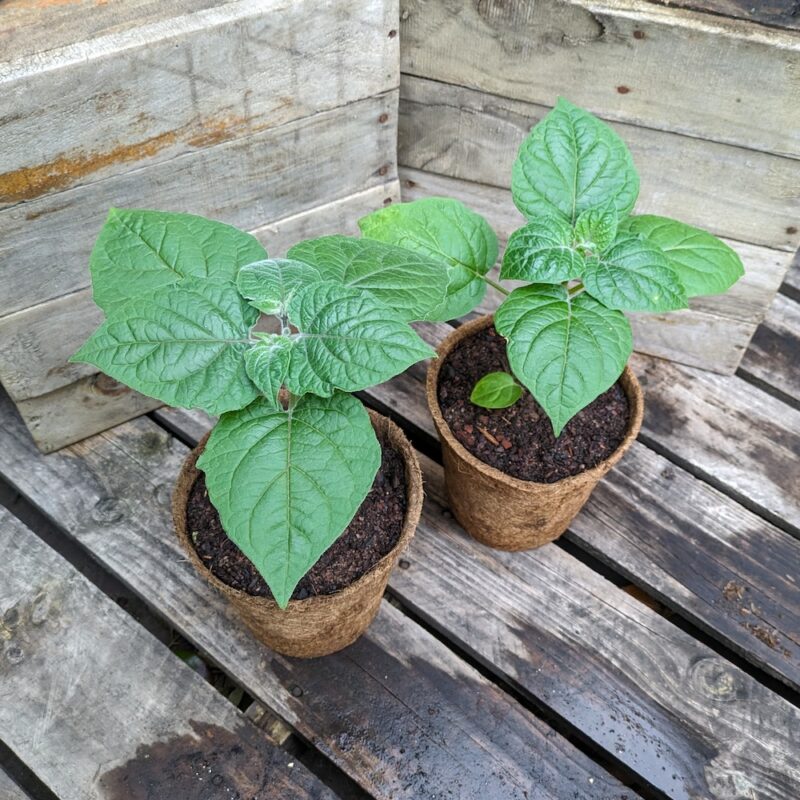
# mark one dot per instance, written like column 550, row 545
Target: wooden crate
column 706, row 102
column 277, row 116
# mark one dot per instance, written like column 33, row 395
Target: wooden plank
column 397, row 711
column 663, row 704
column 792, row 282
column 779, row 13
column 147, row 94
column 9, row 790
column 773, row 357
column 267, row 176
column 712, row 334
column 37, row 341
column 734, row 192
column 731, row 433
column 98, row 708
column 626, row 60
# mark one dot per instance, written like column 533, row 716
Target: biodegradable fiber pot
column 502, row 511
column 323, row 624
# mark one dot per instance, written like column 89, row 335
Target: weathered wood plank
column 780, row 13
column 685, row 720
column 792, row 281
column 147, row 94
column 712, row 334
column 731, row 191
column 397, row 711
column 267, row 176
column 96, row 707
column 9, row 790
column 773, row 357
column 37, row 341
column 731, row 433
column 626, row 60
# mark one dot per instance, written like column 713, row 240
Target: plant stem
column 577, row 289
column 496, row 286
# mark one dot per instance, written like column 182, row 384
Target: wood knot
column 107, row 510
column 14, row 654
column 713, row 678
column 104, row 385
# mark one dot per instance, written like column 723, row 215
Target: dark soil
column 371, row 534
column 519, row 440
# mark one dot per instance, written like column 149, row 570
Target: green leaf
column 634, row 276
column 269, row 284
column 496, row 390
column 570, row 162
column 542, row 252
column 287, row 483
column 446, row 230
column 267, row 363
column 567, row 351
column 596, row 228
column 703, row 263
column 412, row 284
column 349, row 340
column 183, row 344
column 139, row 251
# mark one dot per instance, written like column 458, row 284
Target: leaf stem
column 575, row 290
column 496, row 286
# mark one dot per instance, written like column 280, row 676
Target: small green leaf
column 566, row 351
column 349, row 340
column 183, row 344
column 139, row 251
column 634, row 276
column 448, row 231
column 596, row 228
column 703, row 263
column 496, row 390
column 267, row 363
column 571, row 161
column 542, row 252
column 269, row 284
column 412, row 284
column 287, row 483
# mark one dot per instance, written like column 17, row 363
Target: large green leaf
column 267, row 363
column 703, row 263
column 634, row 276
column 571, row 161
column 567, row 351
column 448, row 231
column 348, row 340
column 138, row 251
column 269, row 284
column 287, row 483
column 183, row 344
column 413, row 284
column 542, row 252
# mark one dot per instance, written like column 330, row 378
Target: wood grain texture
column 626, row 678
column 779, row 13
column 627, row 60
column 731, row 191
column 773, row 357
column 35, row 343
column 398, row 711
column 712, row 334
column 147, row 94
column 96, row 707
column 9, row 790
column 247, row 183
column 736, row 436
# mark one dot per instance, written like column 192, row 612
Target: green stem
column 496, row 286
column 577, row 289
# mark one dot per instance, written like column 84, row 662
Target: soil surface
column 519, row 440
column 371, row 534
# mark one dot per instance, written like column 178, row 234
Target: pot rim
column 414, row 499
column 630, row 385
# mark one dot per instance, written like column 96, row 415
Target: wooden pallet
column 713, row 150
column 209, row 107
column 654, row 652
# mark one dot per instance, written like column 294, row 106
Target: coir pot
column 506, row 512
column 323, row 624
